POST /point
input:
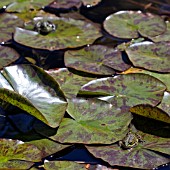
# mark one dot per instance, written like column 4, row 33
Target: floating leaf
column 127, row 90
column 141, row 156
column 129, row 24
column 63, row 165
column 8, row 23
column 35, row 92
column 69, row 33
column 96, row 59
column 151, row 56
column 70, row 83
column 7, row 56
column 151, row 112
column 94, row 122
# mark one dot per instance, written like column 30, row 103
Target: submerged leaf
column 94, row 122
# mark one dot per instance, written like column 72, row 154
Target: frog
column 44, row 27
column 130, row 141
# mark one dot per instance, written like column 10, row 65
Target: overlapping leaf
column 7, row 24
column 129, row 24
column 7, row 56
column 35, row 92
column 143, row 156
column 151, row 56
column 70, row 33
column 70, row 83
column 94, row 122
column 127, row 90
column 96, row 59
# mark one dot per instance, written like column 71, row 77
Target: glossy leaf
column 151, row 112
column 63, row 165
column 94, row 122
column 70, row 33
column 127, row 90
column 151, row 56
column 8, row 22
column 96, row 59
column 35, row 92
column 7, row 56
column 70, row 83
column 129, row 24
column 143, row 156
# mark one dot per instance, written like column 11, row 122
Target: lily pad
column 94, row 122
column 23, row 6
column 151, row 56
column 35, row 92
column 96, row 59
column 143, row 156
column 7, row 56
column 151, row 112
column 129, row 24
column 63, row 165
column 69, row 33
column 7, row 24
column 164, row 36
column 127, row 90
column 70, row 83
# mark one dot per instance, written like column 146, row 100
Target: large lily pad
column 143, row 156
column 94, row 122
column 151, row 112
column 70, row 83
column 70, row 33
column 18, row 150
column 151, row 56
column 127, row 90
column 35, row 92
column 63, row 165
column 96, row 59
column 7, row 56
column 129, row 24
column 7, row 24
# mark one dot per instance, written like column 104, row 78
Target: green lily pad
column 7, row 24
column 129, row 24
column 94, row 122
column 164, row 36
column 151, row 112
column 127, row 90
column 96, row 59
column 165, row 105
column 70, row 83
column 7, row 56
column 23, row 5
column 35, row 92
column 63, row 165
column 143, row 156
column 69, row 33
column 151, row 56
column 18, row 150
column 47, row 147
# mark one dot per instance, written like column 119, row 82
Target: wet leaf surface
column 143, row 156
column 62, row 165
column 96, row 59
column 129, row 24
column 8, row 22
column 70, row 83
column 34, row 91
column 94, row 122
column 69, row 33
column 151, row 56
column 8, row 55
column 127, row 90
column 151, row 112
